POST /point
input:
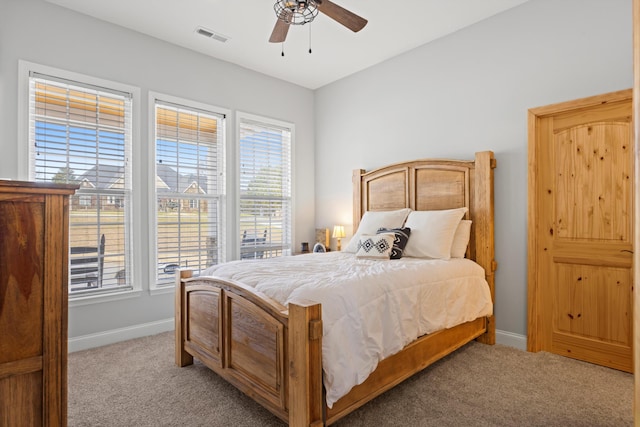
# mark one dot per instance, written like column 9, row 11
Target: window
column 81, row 133
column 189, row 187
column 265, row 187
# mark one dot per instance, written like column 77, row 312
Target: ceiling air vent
column 211, row 34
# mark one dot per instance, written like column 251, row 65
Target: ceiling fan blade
column 280, row 31
column 338, row 13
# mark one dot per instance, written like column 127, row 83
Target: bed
column 274, row 352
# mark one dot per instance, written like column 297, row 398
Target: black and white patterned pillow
column 400, row 241
column 375, row 247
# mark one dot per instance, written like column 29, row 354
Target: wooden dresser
column 34, row 238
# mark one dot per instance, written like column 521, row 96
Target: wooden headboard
column 434, row 184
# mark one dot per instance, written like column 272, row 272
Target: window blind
column 265, row 189
column 79, row 133
column 189, row 187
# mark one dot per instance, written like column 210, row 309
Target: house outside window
column 189, row 186
column 81, row 133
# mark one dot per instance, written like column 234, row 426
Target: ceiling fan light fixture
column 296, row 12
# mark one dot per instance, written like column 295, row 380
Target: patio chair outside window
column 252, row 242
column 87, row 264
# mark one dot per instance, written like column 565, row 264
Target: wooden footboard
column 271, row 353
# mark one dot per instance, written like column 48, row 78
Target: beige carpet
column 135, row 383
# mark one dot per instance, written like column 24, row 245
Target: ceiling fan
column 291, row 12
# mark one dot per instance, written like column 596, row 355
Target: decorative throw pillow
column 378, row 246
column 401, row 237
column 461, row 239
column 432, row 232
column 373, row 220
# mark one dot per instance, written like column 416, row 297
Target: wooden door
column 581, row 229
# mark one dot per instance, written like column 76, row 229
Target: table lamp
column 338, row 233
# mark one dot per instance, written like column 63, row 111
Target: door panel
column 593, row 302
column 593, row 182
column 581, row 280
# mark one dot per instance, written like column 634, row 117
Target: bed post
column 182, row 357
column 484, row 217
column 306, row 402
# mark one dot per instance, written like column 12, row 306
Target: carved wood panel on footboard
column 254, row 345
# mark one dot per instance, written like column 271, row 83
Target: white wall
column 467, row 92
column 39, row 32
column 470, row 92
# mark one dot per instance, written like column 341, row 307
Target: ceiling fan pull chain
column 309, row 38
column 282, row 49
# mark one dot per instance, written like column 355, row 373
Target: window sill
column 162, row 290
column 102, row 298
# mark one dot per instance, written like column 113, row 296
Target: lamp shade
column 338, row 231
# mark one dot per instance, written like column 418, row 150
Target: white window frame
column 154, row 97
column 240, row 117
column 24, row 167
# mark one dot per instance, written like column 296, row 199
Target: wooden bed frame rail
column 273, row 353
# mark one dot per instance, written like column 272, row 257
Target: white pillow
column 432, row 232
column 378, row 246
column 461, row 239
column 372, row 221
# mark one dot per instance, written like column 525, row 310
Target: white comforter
column 371, row 309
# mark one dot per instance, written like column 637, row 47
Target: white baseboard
column 99, row 339
column 512, row 340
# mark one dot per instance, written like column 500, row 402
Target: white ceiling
column 394, row 27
